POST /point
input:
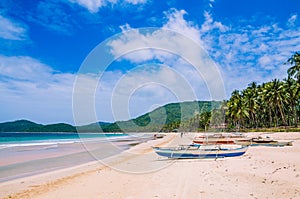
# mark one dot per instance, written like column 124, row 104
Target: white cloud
column 11, row 30
column 250, row 52
column 133, row 39
column 244, row 53
column 24, row 68
column 184, row 71
column 167, row 46
column 292, row 20
column 94, row 5
column 32, row 90
column 160, row 83
column 176, row 22
column 266, row 62
column 210, row 24
column 134, row 2
column 121, row 96
column 210, row 3
column 134, row 92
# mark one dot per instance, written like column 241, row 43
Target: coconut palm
column 292, row 99
column 237, row 109
column 266, row 105
column 274, row 94
column 269, row 104
column 294, row 71
column 205, row 120
column 250, row 99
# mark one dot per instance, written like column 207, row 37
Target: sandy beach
column 263, row 172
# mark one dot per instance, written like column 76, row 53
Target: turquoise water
column 32, row 139
column 27, row 154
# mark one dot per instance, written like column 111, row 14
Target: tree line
column 271, row 104
column 267, row 105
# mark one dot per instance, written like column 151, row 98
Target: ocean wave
column 55, row 142
column 31, row 144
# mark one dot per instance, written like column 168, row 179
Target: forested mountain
column 28, row 126
column 165, row 118
column 19, row 126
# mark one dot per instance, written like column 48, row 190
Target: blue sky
column 44, row 43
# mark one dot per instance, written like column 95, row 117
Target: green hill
column 19, row 126
column 28, row 126
column 166, row 117
column 60, row 127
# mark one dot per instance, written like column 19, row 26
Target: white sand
column 263, row 172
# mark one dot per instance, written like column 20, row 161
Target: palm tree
column 218, row 114
column 275, row 95
column 237, row 110
column 205, row 120
column 250, row 98
column 291, row 89
column 272, row 103
column 294, row 71
column 265, row 102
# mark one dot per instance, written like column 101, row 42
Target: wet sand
column 23, row 161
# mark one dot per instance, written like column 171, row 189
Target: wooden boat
column 158, row 136
column 213, row 141
column 217, row 139
column 221, row 135
column 201, row 151
column 243, row 142
column 262, row 142
column 284, row 143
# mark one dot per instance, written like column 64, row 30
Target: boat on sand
column 214, row 139
column 201, row 151
column 260, row 141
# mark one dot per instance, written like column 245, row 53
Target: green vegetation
column 166, row 118
column 28, row 126
column 19, row 126
column 269, row 105
column 61, row 127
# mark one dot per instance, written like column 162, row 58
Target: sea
column 27, row 154
column 44, row 139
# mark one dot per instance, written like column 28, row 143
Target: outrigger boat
column 263, row 142
column 212, row 141
column 201, row 151
column 217, row 139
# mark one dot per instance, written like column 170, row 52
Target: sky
column 81, row 61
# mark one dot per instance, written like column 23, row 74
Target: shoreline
column 23, row 161
column 28, row 183
column 262, row 172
